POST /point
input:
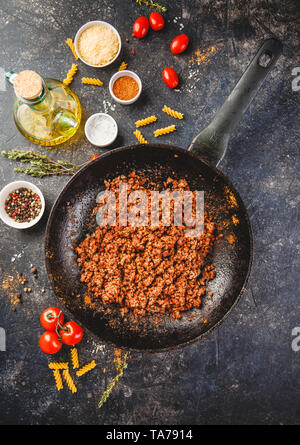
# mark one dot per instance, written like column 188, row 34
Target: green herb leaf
column 115, row 380
column 40, row 164
column 152, row 5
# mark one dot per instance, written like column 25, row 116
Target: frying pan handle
column 211, row 143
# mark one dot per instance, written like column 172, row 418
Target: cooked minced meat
column 147, row 269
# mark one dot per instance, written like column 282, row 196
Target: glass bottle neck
column 41, row 103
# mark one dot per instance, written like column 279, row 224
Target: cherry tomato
column 49, row 343
column 141, row 27
column 50, row 317
column 71, row 333
column 94, row 157
column 179, row 44
column 170, row 77
column 157, row 22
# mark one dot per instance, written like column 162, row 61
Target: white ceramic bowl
column 3, row 197
column 121, row 74
column 89, row 123
column 87, row 25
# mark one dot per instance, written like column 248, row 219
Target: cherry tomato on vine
column 50, row 343
column 141, row 27
column 50, row 318
column 71, row 334
column 94, row 157
column 170, row 77
column 157, row 22
column 179, row 44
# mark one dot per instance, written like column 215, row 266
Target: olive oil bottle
column 45, row 110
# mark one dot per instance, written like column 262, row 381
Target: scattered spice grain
column 202, row 56
column 235, row 220
column 230, row 239
column 11, row 286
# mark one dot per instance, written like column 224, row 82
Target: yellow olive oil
column 51, row 118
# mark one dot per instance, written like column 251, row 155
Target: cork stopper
column 28, row 84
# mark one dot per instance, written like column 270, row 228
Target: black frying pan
column 69, row 222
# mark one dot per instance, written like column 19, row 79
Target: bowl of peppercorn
column 22, row 204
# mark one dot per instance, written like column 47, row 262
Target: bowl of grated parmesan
column 98, row 44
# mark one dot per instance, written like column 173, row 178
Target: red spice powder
column 125, row 88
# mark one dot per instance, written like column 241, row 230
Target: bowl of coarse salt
column 101, row 129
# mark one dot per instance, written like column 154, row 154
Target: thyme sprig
column 115, row 380
column 152, row 5
column 40, row 165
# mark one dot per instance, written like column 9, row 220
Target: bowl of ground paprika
column 125, row 87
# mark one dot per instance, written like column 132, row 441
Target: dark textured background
column 246, row 372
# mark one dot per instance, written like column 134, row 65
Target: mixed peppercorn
column 23, row 205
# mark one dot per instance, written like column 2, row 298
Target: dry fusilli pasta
column 75, row 359
column 64, row 87
column 172, row 112
column 123, row 66
column 140, row 137
column 71, row 45
column 69, row 381
column 91, row 81
column 58, row 379
column 71, row 74
column 54, row 365
column 86, row 368
column 146, row 121
column 165, row 130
